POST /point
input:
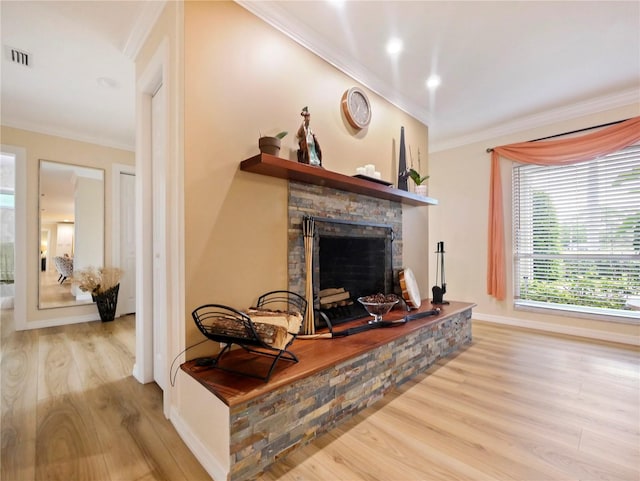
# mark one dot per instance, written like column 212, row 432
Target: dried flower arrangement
column 98, row 280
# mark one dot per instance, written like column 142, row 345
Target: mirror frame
column 76, row 170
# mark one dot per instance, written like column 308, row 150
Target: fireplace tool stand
column 439, row 291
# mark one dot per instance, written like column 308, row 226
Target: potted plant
column 271, row 145
column 421, row 188
column 104, row 284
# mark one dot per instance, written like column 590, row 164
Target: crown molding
column 67, row 134
column 140, row 31
column 275, row 15
column 569, row 112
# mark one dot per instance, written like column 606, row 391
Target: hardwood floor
column 515, row 404
column 53, row 294
column 71, row 411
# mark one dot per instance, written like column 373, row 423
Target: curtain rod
column 490, row 149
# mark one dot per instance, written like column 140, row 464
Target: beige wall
column 232, row 77
column 242, row 77
column 41, row 146
column 460, row 180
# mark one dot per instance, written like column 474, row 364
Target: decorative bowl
column 377, row 309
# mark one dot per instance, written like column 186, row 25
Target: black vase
column 107, row 302
column 402, row 164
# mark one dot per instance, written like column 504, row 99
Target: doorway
column 19, row 155
column 7, row 229
column 159, row 231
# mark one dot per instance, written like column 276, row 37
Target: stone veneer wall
column 318, row 201
column 267, row 428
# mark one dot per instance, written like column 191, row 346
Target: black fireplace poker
column 438, row 292
column 373, row 325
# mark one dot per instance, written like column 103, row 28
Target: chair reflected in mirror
column 64, row 266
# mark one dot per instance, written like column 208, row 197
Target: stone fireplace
column 357, row 245
column 256, row 423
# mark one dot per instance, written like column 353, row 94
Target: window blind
column 577, row 235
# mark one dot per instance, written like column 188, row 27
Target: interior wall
column 40, row 146
column 88, row 197
column 460, row 180
column 244, row 78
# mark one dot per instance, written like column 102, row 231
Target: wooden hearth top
column 314, row 354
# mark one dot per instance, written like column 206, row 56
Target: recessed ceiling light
column 107, row 82
column 394, row 46
column 433, row 82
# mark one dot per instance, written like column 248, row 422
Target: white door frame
column 160, row 233
column 155, row 74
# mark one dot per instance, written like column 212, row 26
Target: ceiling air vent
column 18, row 56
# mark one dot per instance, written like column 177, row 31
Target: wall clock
column 356, row 108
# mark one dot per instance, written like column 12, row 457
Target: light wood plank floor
column 516, row 404
column 54, row 294
column 71, row 411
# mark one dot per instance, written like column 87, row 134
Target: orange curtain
column 552, row 152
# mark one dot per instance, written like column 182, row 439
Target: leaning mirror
column 71, row 230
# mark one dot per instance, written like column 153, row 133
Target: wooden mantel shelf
column 287, row 169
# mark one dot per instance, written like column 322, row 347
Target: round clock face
column 356, row 108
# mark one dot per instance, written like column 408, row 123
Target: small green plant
column 415, row 176
column 279, row 135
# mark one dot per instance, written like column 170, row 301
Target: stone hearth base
column 335, row 378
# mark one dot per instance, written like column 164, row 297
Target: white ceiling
column 505, row 66
column 72, row 44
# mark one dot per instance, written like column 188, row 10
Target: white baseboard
column 559, row 329
column 199, row 450
column 62, row 321
column 6, row 302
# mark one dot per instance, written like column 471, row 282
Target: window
column 577, row 235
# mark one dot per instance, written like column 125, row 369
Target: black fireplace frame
column 345, row 228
